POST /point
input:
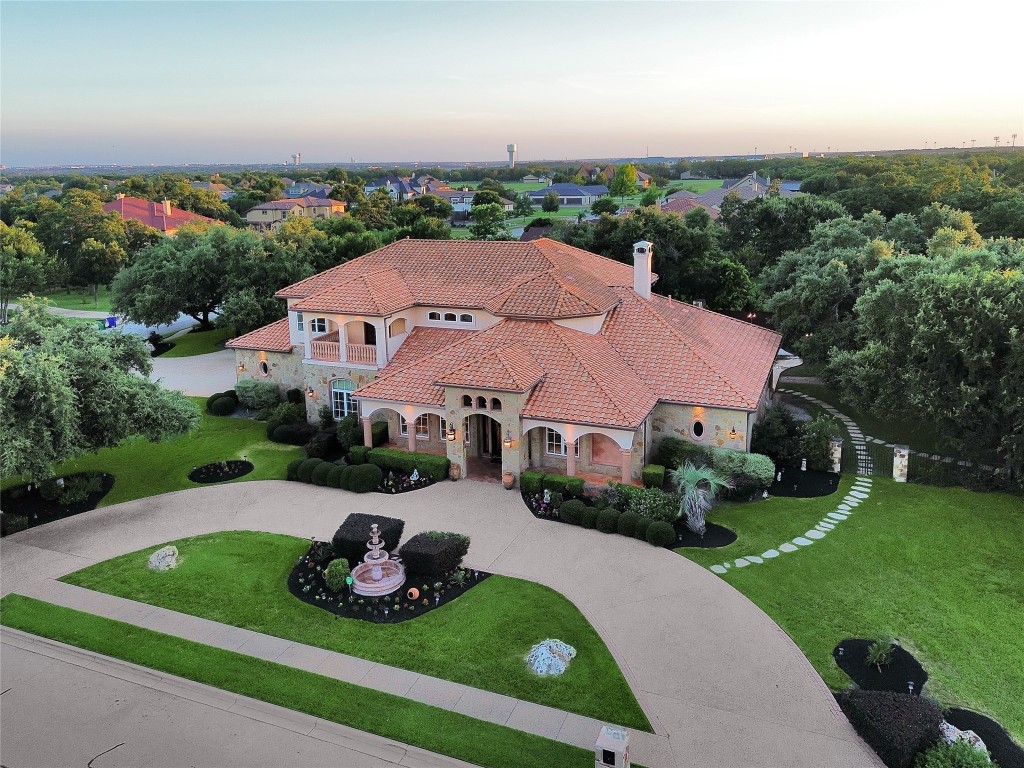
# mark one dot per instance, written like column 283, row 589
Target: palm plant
column 697, row 488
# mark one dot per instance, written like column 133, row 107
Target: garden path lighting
column 910, row 687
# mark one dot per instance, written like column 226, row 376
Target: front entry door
column 490, row 437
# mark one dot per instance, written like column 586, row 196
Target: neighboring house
column 591, row 172
column 400, row 189
column 570, row 194
column 682, row 194
column 161, row 216
column 269, row 216
column 750, row 187
column 511, row 355
column 683, row 205
column 428, row 185
column 307, row 189
column 644, row 180
column 462, row 201
column 535, row 233
column 223, row 190
column 530, row 179
column 6, row 188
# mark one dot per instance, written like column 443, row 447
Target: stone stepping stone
column 836, row 516
column 770, row 554
column 858, row 495
column 787, row 547
column 813, row 534
column 825, row 526
column 755, row 559
column 802, row 541
column 718, row 568
column 741, row 563
column 853, row 502
column 844, row 508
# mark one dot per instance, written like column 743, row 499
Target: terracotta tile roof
column 380, row 292
column 269, row 338
column 472, row 274
column 512, row 369
column 683, row 205
column 154, row 214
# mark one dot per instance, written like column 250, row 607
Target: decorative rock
column 950, row 734
column 770, row 554
column 741, row 562
column 858, row 494
column 755, row 559
column 163, row 559
column 718, row 569
column 844, row 508
column 803, row 542
column 824, row 527
column 787, row 547
column 550, row 658
column 812, row 534
column 836, row 516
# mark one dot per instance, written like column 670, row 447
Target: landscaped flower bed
column 804, row 484
column 893, row 675
column 402, row 482
column 220, row 471
column 32, row 504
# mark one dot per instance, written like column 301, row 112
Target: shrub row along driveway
column 711, row 670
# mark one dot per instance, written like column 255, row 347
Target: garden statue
column 803, row 464
column 547, row 496
column 765, row 494
column 377, row 574
column 778, row 477
column 415, row 475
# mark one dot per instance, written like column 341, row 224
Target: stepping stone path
column 859, row 492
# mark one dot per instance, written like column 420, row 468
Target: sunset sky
column 172, row 82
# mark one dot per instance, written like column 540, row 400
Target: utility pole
column 972, row 143
column 1013, row 145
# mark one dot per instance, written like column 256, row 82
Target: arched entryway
column 483, row 447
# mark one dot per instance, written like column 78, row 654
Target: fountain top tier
column 377, row 574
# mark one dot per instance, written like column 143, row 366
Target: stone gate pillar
column 900, row 460
column 835, row 447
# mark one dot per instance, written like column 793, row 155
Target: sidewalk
column 548, row 722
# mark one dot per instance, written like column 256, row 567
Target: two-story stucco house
column 514, row 355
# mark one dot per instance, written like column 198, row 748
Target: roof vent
column 642, row 255
column 699, row 303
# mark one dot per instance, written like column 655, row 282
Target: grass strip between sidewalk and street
column 373, row 711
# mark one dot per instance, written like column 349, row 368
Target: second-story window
column 433, row 315
column 318, row 325
column 298, row 321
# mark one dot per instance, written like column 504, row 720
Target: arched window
column 465, row 318
column 449, row 317
column 495, row 404
column 481, row 402
column 342, row 403
column 433, row 315
column 697, row 430
column 467, row 401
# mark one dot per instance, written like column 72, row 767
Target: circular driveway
column 713, row 672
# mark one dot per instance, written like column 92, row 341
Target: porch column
column 367, row 433
column 570, row 458
column 627, row 467
column 411, row 423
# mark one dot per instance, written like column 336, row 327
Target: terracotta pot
column 413, row 593
column 508, row 480
column 455, row 472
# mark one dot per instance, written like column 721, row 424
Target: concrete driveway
column 198, row 375
column 713, row 672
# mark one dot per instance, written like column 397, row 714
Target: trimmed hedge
column 531, row 481
column 608, row 520
column 642, row 524
column 258, row 395
column 435, row 467
column 320, row 473
column 588, row 517
column 293, row 434
column 211, row 398
column 336, row 573
column 653, row 476
column 571, row 511
column 323, row 443
column 364, row 478
column 563, row 484
column 660, row 534
column 357, row 454
column 334, row 476
column 750, row 471
column 293, row 469
column 626, row 524
column 232, row 394
column 305, row 470
column 223, row 406
column 434, row 553
column 345, row 477
column 12, row 523
column 286, row 413
column 896, row 725
column 672, row 452
column 351, row 537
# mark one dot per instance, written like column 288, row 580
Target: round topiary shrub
column 223, row 406
column 211, row 398
column 335, row 574
column 364, row 478
column 305, row 470
column 642, row 524
column 232, row 394
column 660, row 533
column 608, row 520
column 345, row 477
column 334, row 476
column 321, row 473
column 571, row 511
column 293, row 469
column 588, row 517
column 626, row 524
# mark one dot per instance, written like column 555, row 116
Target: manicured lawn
column 80, row 298
column 199, row 342
column 891, row 429
column 806, row 369
column 515, row 186
column 394, row 717
column 480, row 639
column 939, row 568
column 698, row 186
column 146, row 469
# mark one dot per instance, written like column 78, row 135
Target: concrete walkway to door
column 715, row 674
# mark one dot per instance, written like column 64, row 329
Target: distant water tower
column 297, row 158
column 511, row 149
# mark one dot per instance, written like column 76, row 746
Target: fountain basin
column 376, row 578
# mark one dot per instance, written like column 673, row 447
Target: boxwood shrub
column 320, row 473
column 323, row 443
column 608, row 520
column 531, row 481
column 434, row 553
column 211, row 398
column 336, row 573
column 351, row 537
column 654, row 504
column 653, row 476
column 232, row 394
column 364, row 478
column 672, row 452
column 333, row 476
column 345, row 476
column 293, row 434
column 357, row 454
column 571, row 511
column 626, row 524
column 896, row 725
column 563, row 484
column 305, row 470
column 959, row 754
column 640, row 530
column 293, row 469
column 588, row 517
column 223, row 406
column 396, row 460
column 660, row 533
column 258, row 395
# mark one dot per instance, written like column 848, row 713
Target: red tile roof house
column 162, row 216
column 530, row 354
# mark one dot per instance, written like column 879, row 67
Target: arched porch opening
column 483, row 447
column 360, row 342
column 324, row 342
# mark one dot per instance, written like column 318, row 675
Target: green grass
column 938, row 568
column 697, row 186
column 805, row 369
column 146, row 469
column 80, row 299
column 892, row 429
column 394, row 717
column 480, row 639
column 199, row 342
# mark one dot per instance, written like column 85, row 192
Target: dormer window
column 433, row 315
column 465, row 318
column 449, row 317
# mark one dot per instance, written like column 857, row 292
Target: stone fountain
column 377, row 574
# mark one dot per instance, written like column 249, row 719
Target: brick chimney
column 167, row 207
column 642, row 254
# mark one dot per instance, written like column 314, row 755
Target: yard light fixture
column 507, row 442
column 450, row 434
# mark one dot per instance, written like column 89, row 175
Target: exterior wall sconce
column 310, row 392
column 241, row 367
column 732, row 433
column 450, row 434
column 507, row 442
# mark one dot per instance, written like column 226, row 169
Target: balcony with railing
column 326, row 348
column 361, row 354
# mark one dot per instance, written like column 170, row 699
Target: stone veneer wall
column 513, row 459
column 541, row 459
column 670, row 420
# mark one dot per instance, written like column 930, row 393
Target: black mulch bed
column 220, row 471
column 400, row 482
column 893, row 677
column 160, row 348
column 306, row 582
column 804, row 484
column 19, row 501
column 1005, row 751
column 715, row 536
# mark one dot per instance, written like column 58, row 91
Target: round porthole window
column 697, row 430
column 264, row 367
